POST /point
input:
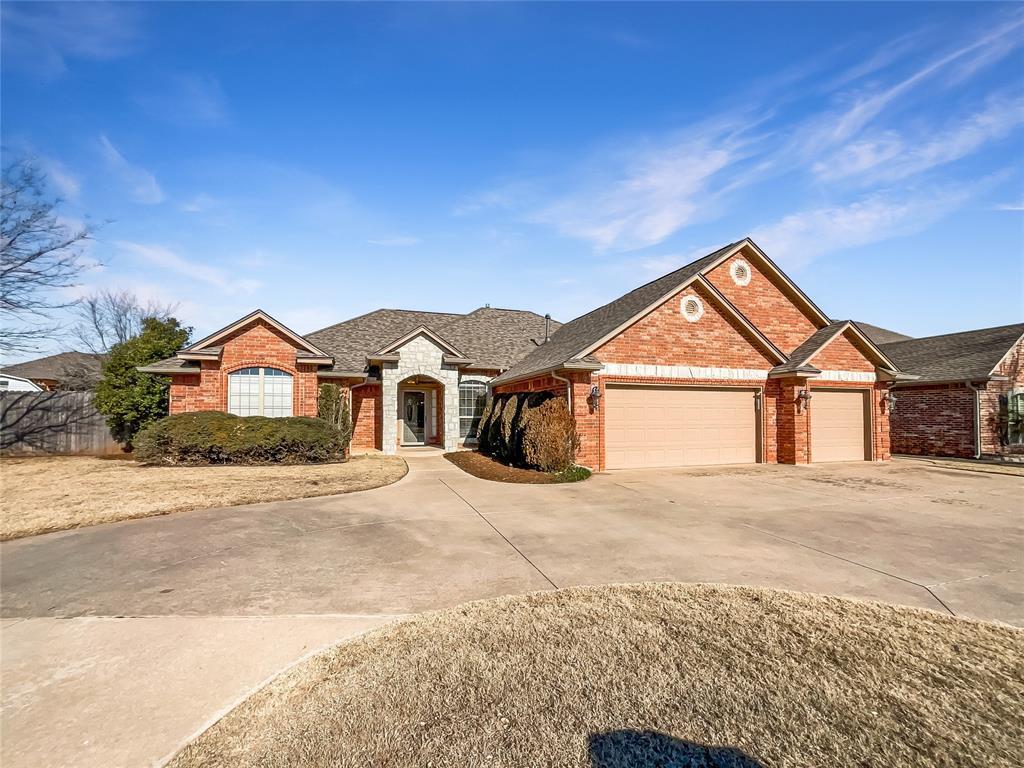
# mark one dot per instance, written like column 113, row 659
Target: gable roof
column 881, row 335
column 964, row 356
column 577, row 339
column 207, row 346
column 489, row 337
column 56, row 367
column 800, row 358
column 419, row 330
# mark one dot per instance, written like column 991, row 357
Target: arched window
column 260, row 392
column 472, row 397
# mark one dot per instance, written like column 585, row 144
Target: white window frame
column 468, row 383
column 261, row 391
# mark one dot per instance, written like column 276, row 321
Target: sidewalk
column 111, row 692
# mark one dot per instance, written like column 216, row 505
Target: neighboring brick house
column 725, row 360
column 968, row 398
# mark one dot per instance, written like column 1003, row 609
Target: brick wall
column 256, row 345
column 763, row 302
column 841, row 354
column 935, row 420
column 367, row 417
column 1011, row 366
column 666, row 337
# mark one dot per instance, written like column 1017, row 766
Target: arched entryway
column 420, row 410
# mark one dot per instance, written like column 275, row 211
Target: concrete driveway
column 904, row 532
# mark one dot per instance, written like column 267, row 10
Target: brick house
column 725, row 360
column 968, row 398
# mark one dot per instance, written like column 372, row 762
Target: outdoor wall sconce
column 888, row 402
column 804, row 396
column 595, row 396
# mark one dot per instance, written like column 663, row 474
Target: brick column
column 793, row 423
column 880, row 445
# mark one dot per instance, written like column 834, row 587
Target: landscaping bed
column 643, row 675
column 55, row 493
column 487, row 468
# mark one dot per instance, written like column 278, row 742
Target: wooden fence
column 53, row 423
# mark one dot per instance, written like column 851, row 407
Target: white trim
column 682, row 372
column 697, row 314
column 258, row 314
column 847, row 376
column 420, row 330
column 735, row 266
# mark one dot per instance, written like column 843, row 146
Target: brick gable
column 666, row 337
column 764, row 303
column 842, row 354
column 257, row 345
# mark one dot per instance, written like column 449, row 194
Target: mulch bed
column 487, row 468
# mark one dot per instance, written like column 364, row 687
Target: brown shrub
column 549, row 440
column 494, row 427
column 482, row 436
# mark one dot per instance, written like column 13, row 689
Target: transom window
column 472, row 398
column 260, row 392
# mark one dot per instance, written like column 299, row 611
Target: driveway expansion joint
column 495, row 529
column 925, row 587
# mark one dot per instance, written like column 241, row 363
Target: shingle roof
column 802, row 354
column 578, row 334
column 965, row 356
column 881, row 335
column 171, row 365
column 490, row 337
column 56, row 367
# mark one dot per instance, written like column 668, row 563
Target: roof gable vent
column 692, row 308
column 740, row 271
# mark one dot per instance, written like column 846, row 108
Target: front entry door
column 412, row 418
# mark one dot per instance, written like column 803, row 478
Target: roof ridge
column 380, row 309
column 957, row 333
column 650, row 282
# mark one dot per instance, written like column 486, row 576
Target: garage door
column 676, row 426
column 838, row 422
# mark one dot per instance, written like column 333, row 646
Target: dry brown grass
column 55, row 493
column 644, row 675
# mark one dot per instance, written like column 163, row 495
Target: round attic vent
column 692, row 308
column 740, row 272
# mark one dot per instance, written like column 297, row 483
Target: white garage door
column 677, row 426
column 838, row 426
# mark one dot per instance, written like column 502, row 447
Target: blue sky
column 321, row 160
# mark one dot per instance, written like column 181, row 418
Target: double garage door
column 687, row 426
column 678, row 426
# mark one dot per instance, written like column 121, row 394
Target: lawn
column 643, row 675
column 55, row 493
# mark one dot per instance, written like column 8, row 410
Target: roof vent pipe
column 547, row 322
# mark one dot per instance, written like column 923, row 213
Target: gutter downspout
column 568, row 388
column 977, row 418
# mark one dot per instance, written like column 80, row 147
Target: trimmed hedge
column 533, row 430
column 212, row 437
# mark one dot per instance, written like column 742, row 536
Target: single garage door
column 678, row 426
column 838, row 426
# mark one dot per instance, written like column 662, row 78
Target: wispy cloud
column 165, row 258
column 142, row 184
column 199, row 204
column 395, row 241
column 1011, row 206
column 67, row 184
column 43, row 36
column 803, row 236
column 872, row 126
column 187, row 99
column 890, row 156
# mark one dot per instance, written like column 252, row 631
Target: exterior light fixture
column 889, row 401
column 595, row 396
column 804, row 395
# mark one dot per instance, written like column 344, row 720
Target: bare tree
column 110, row 317
column 39, row 254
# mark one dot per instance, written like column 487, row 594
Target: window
column 472, row 397
column 260, row 392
